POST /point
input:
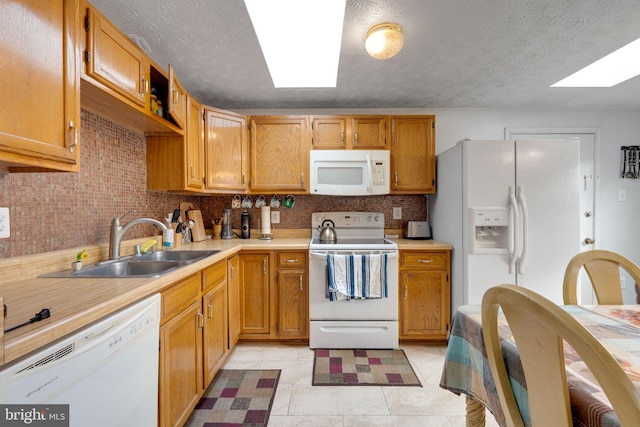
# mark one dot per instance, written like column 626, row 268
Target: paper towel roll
column 266, row 219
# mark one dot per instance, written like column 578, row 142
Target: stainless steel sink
column 128, row 269
column 186, row 257
column 153, row 264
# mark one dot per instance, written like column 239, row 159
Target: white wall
column 616, row 222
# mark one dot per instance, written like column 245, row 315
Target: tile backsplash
column 58, row 210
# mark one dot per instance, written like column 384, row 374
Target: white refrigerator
column 511, row 211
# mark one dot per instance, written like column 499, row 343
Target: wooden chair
column 539, row 326
column 603, row 268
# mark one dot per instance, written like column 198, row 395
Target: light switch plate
column 397, row 212
column 4, row 223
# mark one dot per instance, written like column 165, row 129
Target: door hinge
column 87, row 23
column 277, row 325
column 87, row 56
column 159, row 345
column 433, row 125
column 447, row 278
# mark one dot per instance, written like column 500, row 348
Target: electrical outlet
column 623, row 285
column 397, row 212
column 275, row 217
column 4, row 223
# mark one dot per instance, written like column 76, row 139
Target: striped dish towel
column 357, row 276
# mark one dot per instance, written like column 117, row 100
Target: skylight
column 300, row 40
column 608, row 71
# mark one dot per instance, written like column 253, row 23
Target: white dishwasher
column 107, row 373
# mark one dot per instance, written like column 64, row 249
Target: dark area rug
column 363, row 367
column 236, row 397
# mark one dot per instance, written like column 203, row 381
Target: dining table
column 466, row 368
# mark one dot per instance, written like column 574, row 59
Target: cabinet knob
column 425, row 260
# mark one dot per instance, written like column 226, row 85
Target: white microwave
column 349, row 172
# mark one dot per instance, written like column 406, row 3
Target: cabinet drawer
column 180, row 296
column 292, row 259
column 431, row 259
column 214, row 275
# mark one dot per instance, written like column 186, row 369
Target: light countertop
column 77, row 302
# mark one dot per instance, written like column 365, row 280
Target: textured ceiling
column 457, row 53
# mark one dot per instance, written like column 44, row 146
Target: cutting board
column 197, row 231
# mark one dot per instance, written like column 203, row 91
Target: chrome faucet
column 117, row 232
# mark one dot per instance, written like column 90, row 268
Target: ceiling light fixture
column 384, row 40
column 608, row 71
column 300, row 40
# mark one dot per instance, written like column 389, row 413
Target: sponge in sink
column 147, row 245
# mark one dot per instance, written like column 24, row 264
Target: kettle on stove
column 327, row 232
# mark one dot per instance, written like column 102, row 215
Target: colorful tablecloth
column 466, row 369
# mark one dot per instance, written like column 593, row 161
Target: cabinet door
column 233, row 297
column 328, row 132
column 214, row 305
column 292, row 304
column 279, row 155
column 413, row 160
column 176, row 99
column 194, row 144
column 254, row 294
column 424, row 304
column 115, row 61
column 180, row 366
column 227, row 153
column 40, row 84
column 369, row 132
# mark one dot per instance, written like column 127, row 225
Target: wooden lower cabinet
column 424, row 286
column 233, row 300
column 254, row 296
column 273, row 295
column 193, row 341
column 181, row 375
column 292, row 295
column 214, row 310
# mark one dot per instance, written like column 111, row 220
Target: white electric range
column 355, row 323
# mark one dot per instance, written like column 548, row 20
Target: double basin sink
column 152, row 264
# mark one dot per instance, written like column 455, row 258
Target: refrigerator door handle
column 525, row 230
column 516, row 222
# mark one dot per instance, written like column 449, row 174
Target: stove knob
column 376, row 218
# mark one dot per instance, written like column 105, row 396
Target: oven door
column 321, row 308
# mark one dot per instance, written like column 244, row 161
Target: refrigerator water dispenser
column 490, row 230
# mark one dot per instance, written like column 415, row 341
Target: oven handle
column 323, row 255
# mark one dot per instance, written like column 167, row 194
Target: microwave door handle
column 369, row 189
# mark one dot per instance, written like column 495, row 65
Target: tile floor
column 298, row 403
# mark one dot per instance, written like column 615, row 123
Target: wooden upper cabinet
column 175, row 163
column 194, row 137
column 413, row 159
column 40, row 83
column 279, row 154
column 115, row 61
column 328, row 132
column 226, row 151
column 369, row 132
column 349, row 132
column 176, row 99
